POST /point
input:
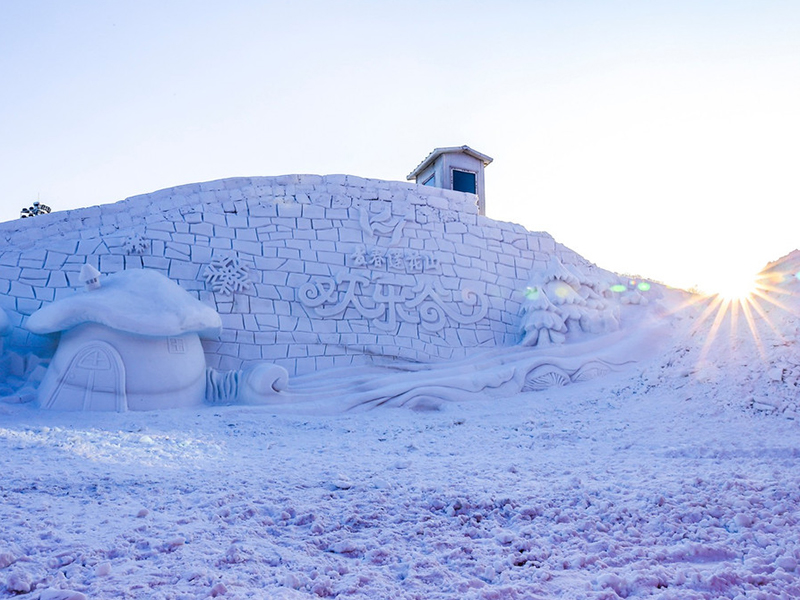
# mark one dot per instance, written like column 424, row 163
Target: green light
column 531, row 293
column 618, row 288
column 643, row 286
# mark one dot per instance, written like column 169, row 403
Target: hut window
column 464, row 181
column 176, row 346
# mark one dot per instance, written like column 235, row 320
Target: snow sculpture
column 135, row 244
column 384, row 223
column 395, row 260
column 5, row 327
column 561, row 299
column 596, row 315
column 499, row 373
column 222, row 387
column 547, row 375
column 387, row 302
column 633, row 293
column 227, row 275
column 90, row 277
column 542, row 323
column 19, row 374
column 129, row 342
column 261, row 384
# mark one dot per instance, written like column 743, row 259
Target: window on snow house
column 464, row 181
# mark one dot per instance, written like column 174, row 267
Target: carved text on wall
column 397, row 260
column 386, row 303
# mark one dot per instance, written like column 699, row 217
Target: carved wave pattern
column 546, row 376
column 387, row 302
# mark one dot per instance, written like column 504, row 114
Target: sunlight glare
column 735, row 286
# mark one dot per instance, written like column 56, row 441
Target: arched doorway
column 94, row 380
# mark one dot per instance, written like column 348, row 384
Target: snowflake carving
column 135, row 244
column 227, row 275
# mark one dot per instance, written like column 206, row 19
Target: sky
column 658, row 139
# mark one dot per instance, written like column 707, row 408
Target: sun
column 735, row 287
column 735, row 306
column 734, row 302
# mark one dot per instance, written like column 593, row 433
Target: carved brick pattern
column 289, row 231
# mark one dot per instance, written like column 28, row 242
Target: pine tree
column 541, row 322
column 560, row 299
column 37, row 209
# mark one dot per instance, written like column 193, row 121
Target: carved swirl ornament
column 386, row 302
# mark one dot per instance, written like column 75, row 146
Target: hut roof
column 437, row 152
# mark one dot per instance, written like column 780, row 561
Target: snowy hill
column 744, row 355
column 675, row 477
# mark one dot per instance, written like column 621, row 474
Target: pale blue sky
column 659, row 138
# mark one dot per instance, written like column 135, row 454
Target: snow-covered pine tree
column 541, row 322
column 561, row 299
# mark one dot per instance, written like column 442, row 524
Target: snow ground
column 677, row 478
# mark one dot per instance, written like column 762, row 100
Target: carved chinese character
column 413, row 261
column 396, row 260
column 385, row 301
column 431, row 262
column 377, row 260
column 359, row 257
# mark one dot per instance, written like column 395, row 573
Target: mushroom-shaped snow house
column 130, row 343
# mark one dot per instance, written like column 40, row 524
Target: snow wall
column 308, row 272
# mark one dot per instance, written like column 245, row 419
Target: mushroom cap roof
column 139, row 301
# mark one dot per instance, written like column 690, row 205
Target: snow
column 138, row 301
column 673, row 477
column 5, row 323
column 561, row 301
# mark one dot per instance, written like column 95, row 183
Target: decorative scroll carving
column 503, row 374
column 387, row 302
column 383, row 224
column 432, row 307
column 591, row 370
